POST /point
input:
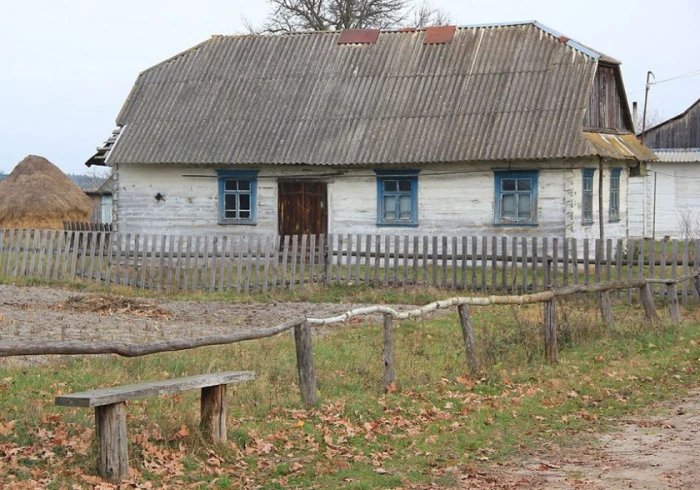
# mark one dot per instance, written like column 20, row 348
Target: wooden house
column 665, row 202
column 493, row 130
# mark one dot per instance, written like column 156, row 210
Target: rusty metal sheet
column 358, row 36
column 439, row 35
column 620, row 146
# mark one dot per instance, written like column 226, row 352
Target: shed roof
column 678, row 155
column 504, row 92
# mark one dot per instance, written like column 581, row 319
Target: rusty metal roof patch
column 439, row 35
column 358, row 36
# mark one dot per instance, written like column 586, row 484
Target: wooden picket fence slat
column 259, row 264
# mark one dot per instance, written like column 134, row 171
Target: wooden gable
column 607, row 105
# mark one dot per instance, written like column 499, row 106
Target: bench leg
column 213, row 409
column 113, row 457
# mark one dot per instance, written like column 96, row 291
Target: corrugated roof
column 494, row 93
column 619, row 146
column 687, row 155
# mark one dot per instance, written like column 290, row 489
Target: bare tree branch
column 324, row 15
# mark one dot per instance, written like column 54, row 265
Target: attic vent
column 358, row 36
column 439, row 35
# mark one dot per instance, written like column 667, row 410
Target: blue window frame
column 397, row 197
column 237, row 196
column 615, row 194
column 516, row 198
column 587, row 196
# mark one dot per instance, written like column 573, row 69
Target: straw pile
column 38, row 195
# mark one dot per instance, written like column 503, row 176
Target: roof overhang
column 619, row 146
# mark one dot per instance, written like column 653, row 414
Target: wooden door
column 303, row 208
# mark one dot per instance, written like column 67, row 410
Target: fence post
column 305, row 364
column 606, row 308
column 647, row 301
column 673, row 309
column 550, row 332
column 465, row 321
column 389, row 372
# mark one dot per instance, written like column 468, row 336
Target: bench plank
column 117, row 394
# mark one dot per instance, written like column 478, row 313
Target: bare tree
column 425, row 15
column 326, row 15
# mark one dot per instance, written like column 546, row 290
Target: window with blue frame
column 397, row 197
column 237, row 196
column 516, row 198
column 587, row 196
column 615, row 194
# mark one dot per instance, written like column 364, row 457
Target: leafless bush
column 689, row 224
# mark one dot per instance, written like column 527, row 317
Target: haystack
column 37, row 194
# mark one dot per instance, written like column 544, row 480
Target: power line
column 690, row 74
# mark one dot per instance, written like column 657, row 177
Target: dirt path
column 658, row 452
column 652, row 453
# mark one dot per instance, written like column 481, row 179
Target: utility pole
column 646, row 99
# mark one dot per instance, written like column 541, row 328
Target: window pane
column 405, row 185
column 230, row 200
column 508, row 206
column 405, row 207
column 587, row 183
column 524, row 207
column 508, row 184
column 524, row 184
column 587, row 206
column 245, row 202
column 389, row 208
column 231, row 185
column 244, row 214
column 390, row 186
column 244, row 185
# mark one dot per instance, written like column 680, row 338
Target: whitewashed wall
column 453, row 199
column 574, row 191
column 675, row 187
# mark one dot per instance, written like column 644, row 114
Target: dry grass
column 112, row 305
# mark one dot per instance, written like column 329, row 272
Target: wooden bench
column 110, row 413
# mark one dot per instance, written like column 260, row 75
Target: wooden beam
column 469, row 339
column 213, row 413
column 606, row 312
column 8, row 349
column 305, row 364
column 389, row 371
column 117, row 394
column 113, row 456
column 673, row 308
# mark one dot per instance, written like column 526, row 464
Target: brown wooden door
column 303, row 208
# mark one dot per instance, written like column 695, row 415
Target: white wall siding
column 452, row 199
column 671, row 200
column 611, row 229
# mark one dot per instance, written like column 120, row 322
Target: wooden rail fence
column 259, row 264
column 302, row 328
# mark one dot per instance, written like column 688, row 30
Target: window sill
column 234, row 223
column 523, row 224
column 397, row 225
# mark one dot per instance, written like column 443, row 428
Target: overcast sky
column 67, row 66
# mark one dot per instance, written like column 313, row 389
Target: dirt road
column 652, row 453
